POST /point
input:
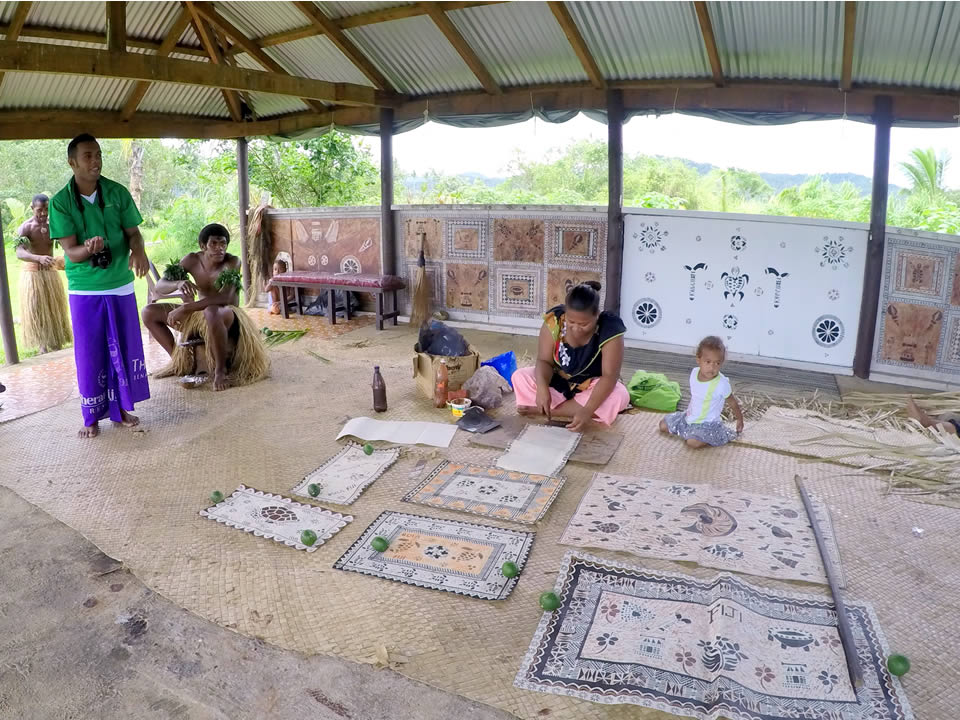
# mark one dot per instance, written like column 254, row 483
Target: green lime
column 308, row 537
column 216, row 497
column 313, row 489
column 379, row 543
column 268, row 332
column 368, row 449
column 898, row 665
column 510, row 569
column 549, row 601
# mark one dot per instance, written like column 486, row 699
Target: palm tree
column 926, row 169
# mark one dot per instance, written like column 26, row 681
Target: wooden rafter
column 61, row 60
column 449, row 30
column 849, row 32
column 225, row 47
column 575, row 38
column 344, row 44
column 205, row 33
column 46, row 32
column 249, row 46
column 16, row 25
column 116, row 25
column 709, row 42
column 166, row 47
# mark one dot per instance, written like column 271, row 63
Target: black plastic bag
column 439, row 339
column 319, row 306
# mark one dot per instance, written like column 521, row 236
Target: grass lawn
column 13, row 272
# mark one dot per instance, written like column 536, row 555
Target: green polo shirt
column 119, row 212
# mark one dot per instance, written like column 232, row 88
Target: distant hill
column 778, row 181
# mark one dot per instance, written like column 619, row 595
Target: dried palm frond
column 279, row 337
column 258, row 249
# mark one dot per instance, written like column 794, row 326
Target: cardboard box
column 459, row 370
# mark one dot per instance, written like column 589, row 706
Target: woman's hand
column 581, row 420
column 544, row 401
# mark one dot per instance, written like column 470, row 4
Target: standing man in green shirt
column 95, row 220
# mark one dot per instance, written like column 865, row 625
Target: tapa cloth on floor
column 402, row 433
column 705, row 648
column 347, row 474
column 723, row 528
column 539, row 450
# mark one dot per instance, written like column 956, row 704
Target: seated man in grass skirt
column 43, row 303
column 96, row 223
column 214, row 322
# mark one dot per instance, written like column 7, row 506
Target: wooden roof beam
column 136, row 95
column 449, row 30
column 249, row 46
column 344, row 44
column 578, row 44
column 16, row 24
column 46, row 32
column 709, row 42
column 205, row 33
column 116, row 26
column 62, row 60
column 849, row 32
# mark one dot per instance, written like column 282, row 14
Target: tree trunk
column 135, row 165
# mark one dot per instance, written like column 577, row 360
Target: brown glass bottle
column 440, row 387
column 379, row 391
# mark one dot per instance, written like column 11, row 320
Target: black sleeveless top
column 575, row 367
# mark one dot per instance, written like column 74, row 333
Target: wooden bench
column 364, row 282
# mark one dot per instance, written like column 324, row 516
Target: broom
column 421, row 292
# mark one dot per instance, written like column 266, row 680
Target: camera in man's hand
column 102, row 259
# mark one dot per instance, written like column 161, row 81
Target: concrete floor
column 82, row 639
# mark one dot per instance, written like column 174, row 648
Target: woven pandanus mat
column 137, row 496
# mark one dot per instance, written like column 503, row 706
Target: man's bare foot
column 128, row 420
column 90, row 431
column 220, row 381
column 914, row 411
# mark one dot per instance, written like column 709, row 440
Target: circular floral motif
column 649, row 277
column 730, row 322
column 275, row 513
column 834, row 252
column 769, row 332
column 651, row 237
column 350, row 265
column 834, row 294
column 487, row 489
column 737, row 243
column 827, row 330
column 646, row 312
column 758, row 291
column 324, row 260
column 435, row 551
column 689, row 321
column 312, row 260
column 699, row 238
column 708, row 285
column 783, row 244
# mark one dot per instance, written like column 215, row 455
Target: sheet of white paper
column 539, row 450
column 403, row 433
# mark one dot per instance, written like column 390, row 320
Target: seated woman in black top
column 577, row 375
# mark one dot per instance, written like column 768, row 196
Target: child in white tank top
column 701, row 424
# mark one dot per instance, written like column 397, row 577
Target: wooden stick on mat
column 843, row 625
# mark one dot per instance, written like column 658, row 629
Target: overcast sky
column 807, row 147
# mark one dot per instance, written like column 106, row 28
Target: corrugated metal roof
column 150, row 20
column 6, row 11
column 68, row 92
column 343, row 9
column 317, row 57
column 415, row 56
column 908, row 43
column 519, row 43
column 779, row 40
column 632, row 40
column 184, row 99
column 91, row 16
column 256, row 19
column 267, row 105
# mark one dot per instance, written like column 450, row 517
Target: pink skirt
column 525, row 387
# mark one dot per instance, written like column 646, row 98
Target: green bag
column 653, row 391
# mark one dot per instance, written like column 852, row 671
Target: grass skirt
column 44, row 314
column 247, row 364
column 712, row 433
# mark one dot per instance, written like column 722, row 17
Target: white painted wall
column 735, row 261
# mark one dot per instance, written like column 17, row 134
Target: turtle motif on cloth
column 734, row 283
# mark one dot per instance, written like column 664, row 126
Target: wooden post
column 387, row 231
column 614, row 199
column 243, row 190
column 873, row 269
column 6, row 310
column 116, row 26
